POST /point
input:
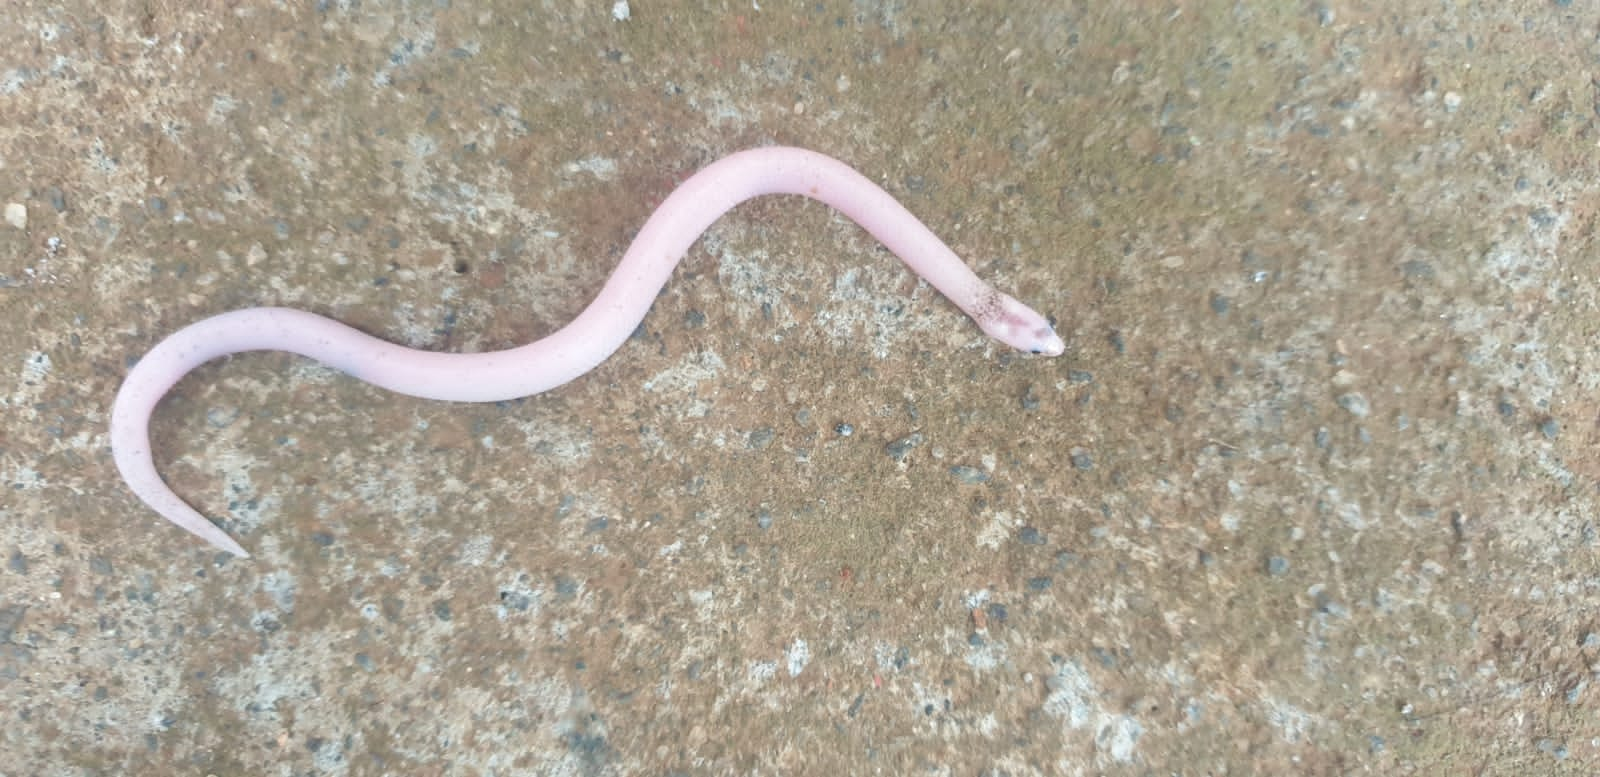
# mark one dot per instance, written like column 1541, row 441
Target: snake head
column 1005, row 319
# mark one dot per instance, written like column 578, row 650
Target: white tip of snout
column 1050, row 344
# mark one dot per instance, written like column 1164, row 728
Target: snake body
column 576, row 348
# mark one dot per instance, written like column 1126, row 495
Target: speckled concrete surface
column 1313, row 492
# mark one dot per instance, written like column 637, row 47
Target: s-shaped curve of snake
column 572, row 350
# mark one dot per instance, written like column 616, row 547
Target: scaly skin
column 574, row 349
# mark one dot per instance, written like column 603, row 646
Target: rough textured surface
column 1313, row 492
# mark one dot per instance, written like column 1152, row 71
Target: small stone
column 1553, row 748
column 17, row 215
column 10, row 620
column 969, row 475
column 901, row 448
column 1356, row 404
column 1030, row 400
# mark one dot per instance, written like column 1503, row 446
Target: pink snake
column 574, row 349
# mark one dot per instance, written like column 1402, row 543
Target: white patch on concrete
column 1291, row 722
column 599, row 167
column 12, row 81
column 1073, row 697
column 693, row 370
column 997, row 531
column 222, row 106
column 761, row 671
column 986, row 656
column 797, row 656
column 475, row 551
column 1076, row 702
column 1117, row 736
column 36, row 367
column 281, row 586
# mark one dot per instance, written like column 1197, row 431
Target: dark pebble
column 566, row 587
column 1356, row 404
column 1550, row 428
column 969, row 475
column 901, row 448
column 1030, row 400
column 10, row 619
column 1416, row 269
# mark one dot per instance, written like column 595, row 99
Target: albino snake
column 574, row 349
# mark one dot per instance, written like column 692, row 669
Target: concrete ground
column 1312, row 492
